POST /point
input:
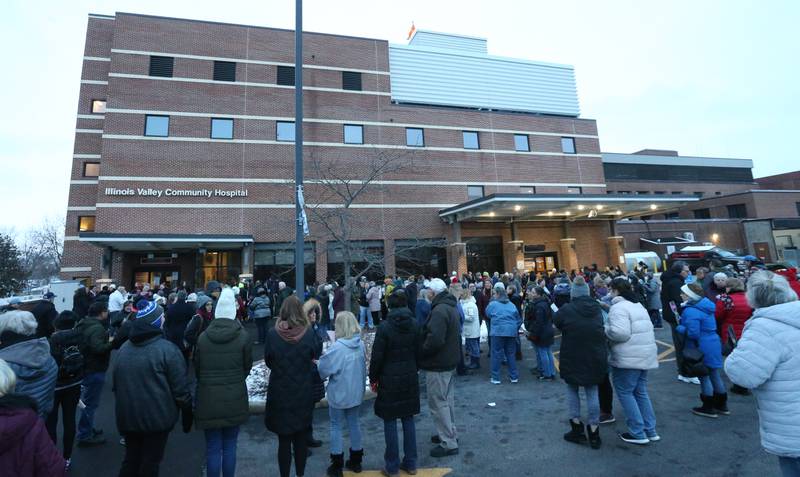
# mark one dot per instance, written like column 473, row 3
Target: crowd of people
column 184, row 355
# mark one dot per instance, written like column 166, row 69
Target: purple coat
column 26, row 449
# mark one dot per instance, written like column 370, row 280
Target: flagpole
column 299, row 251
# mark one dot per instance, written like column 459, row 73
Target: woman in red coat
column 733, row 310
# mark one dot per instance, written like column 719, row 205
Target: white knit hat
column 226, row 305
column 437, row 285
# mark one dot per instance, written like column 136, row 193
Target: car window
column 724, row 253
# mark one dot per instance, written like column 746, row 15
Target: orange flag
column 411, row 31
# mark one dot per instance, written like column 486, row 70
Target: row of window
column 735, row 211
column 163, row 66
column 222, row 128
column 658, row 192
column 476, row 191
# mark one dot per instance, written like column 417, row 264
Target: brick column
column 569, row 258
column 615, row 245
column 388, row 257
column 247, row 259
column 513, row 255
column 321, row 261
column 457, row 257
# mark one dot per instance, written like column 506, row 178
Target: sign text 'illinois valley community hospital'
column 149, row 192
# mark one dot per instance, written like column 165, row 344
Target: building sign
column 158, row 193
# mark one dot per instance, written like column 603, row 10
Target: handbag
column 692, row 366
column 729, row 344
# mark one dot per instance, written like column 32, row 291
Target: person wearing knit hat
column 213, row 289
column 226, row 305
column 579, row 287
column 151, row 313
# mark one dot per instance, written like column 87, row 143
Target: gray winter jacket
column 345, row 364
column 630, row 331
column 260, row 307
column 653, row 290
column 767, row 360
column 36, row 371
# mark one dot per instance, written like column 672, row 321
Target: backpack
column 68, row 355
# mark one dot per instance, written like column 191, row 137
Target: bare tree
column 42, row 249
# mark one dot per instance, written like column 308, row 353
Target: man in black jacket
column 96, row 351
column 439, row 355
column 671, row 282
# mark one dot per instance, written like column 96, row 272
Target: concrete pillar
column 247, row 259
column 457, row 257
column 569, row 257
column 514, row 255
column 388, row 257
column 615, row 245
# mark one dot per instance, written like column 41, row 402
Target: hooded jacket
column 584, row 355
column 346, row 369
column 393, row 366
column 260, row 307
column 441, row 335
column 767, row 360
column 222, row 362
column 96, row 349
column 149, row 381
column 697, row 321
column 374, row 298
column 505, row 317
column 36, row 371
column 25, row 447
column 630, row 331
column 176, row 318
column 472, row 322
column 539, row 321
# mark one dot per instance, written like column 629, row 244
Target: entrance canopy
column 165, row 242
column 562, row 207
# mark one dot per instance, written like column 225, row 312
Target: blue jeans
column 631, row 388
column 91, row 389
column 503, row 349
column 338, row 416
column 544, row 356
column 392, row 454
column 592, row 403
column 712, row 384
column 473, row 346
column 221, row 451
column 364, row 316
column 790, row 466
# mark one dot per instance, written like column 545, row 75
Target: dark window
column 353, row 134
column 471, row 140
column 351, row 80
column 699, row 194
column 485, row 254
column 474, row 192
column 642, row 192
column 91, row 169
column 86, row 223
column 568, row 145
column 521, row 143
column 697, row 174
column 671, row 216
column 161, row 66
column 574, row 190
column 221, row 128
column 278, row 259
column 737, row 211
column 286, row 75
column 415, row 137
column 702, row 214
column 527, row 190
column 676, row 192
column 98, row 106
column 364, row 255
column 717, row 193
column 224, row 71
column 423, row 256
column 284, row 131
column 797, row 204
column 156, row 125
column 660, row 192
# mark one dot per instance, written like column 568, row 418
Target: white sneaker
column 695, row 381
column 494, row 381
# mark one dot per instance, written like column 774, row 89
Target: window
column 161, row 66
column 224, row 71
column 568, row 145
column 474, row 192
column 221, row 128
column 91, row 169
column 642, row 192
column 285, row 75
column 660, row 192
column 86, row 223
column 797, row 205
column 671, row 216
column 351, row 80
column 699, row 194
column 737, row 211
column 717, row 193
column 353, row 134
column 521, row 143
column 702, row 214
column 470, row 140
column 415, row 137
column 98, row 106
column 156, row 125
column 574, row 190
column 284, row 131
column 676, row 192
column 623, row 192
column 527, row 190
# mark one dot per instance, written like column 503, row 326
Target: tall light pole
column 299, row 250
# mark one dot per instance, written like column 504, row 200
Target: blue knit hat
column 152, row 313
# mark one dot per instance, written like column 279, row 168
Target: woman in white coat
column 767, row 360
column 472, row 329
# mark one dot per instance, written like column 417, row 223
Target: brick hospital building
column 183, row 164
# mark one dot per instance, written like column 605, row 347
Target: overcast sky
column 706, row 78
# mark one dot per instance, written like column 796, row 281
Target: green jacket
column 222, row 361
column 96, row 347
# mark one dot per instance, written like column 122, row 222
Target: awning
column 562, row 207
column 164, row 242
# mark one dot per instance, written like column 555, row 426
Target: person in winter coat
column 699, row 330
column 374, row 300
column 65, row 349
column 422, row 309
column 150, row 387
column 393, row 374
column 652, row 290
column 671, row 282
column 261, row 311
column 472, row 329
column 506, row 321
column 222, row 362
column 289, row 353
column 81, row 301
column 313, row 311
column 583, row 362
column 45, row 314
column 561, row 292
column 345, row 367
column 732, row 313
column 176, row 320
column 25, row 447
column 539, row 323
column 199, row 322
column 364, row 315
column 439, row 355
column 411, row 293
column 790, row 274
column 324, row 299
column 96, row 351
column 633, row 352
column 767, row 360
column 29, row 358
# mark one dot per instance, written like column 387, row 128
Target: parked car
column 702, row 256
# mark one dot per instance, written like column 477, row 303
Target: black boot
column 707, row 409
column 576, row 435
column 354, row 462
column 337, row 464
column 594, row 437
column 736, row 389
column 721, row 404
